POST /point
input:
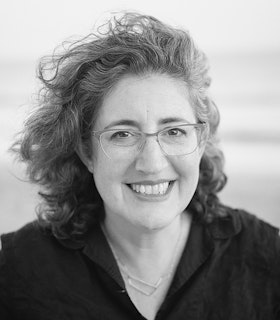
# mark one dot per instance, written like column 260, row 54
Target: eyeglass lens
column 118, row 144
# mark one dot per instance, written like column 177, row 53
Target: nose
column 151, row 158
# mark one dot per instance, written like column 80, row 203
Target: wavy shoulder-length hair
column 74, row 83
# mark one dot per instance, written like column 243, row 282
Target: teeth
column 156, row 189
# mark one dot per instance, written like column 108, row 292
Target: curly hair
column 74, row 83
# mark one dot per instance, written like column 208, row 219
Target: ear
column 86, row 160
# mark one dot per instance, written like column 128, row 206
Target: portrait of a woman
column 123, row 144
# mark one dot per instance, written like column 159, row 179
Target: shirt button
column 122, row 291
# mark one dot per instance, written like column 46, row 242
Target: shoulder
column 255, row 230
column 32, row 255
column 28, row 246
column 26, row 237
column 20, row 253
column 241, row 222
column 261, row 237
column 250, row 238
column 33, row 246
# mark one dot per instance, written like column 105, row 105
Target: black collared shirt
column 230, row 269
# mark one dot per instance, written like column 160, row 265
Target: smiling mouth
column 159, row 189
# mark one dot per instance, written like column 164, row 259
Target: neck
column 146, row 252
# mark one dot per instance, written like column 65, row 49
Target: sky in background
column 242, row 41
column 30, row 28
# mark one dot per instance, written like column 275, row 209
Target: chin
column 155, row 221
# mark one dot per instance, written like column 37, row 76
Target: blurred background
column 241, row 39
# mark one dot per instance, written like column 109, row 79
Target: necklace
column 140, row 285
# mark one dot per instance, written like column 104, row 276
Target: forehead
column 146, row 100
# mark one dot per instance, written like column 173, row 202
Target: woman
column 123, row 145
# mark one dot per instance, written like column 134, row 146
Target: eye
column 121, row 135
column 124, row 138
column 176, row 132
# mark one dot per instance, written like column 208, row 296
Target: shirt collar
column 96, row 247
column 99, row 251
column 226, row 226
column 199, row 247
column 201, row 244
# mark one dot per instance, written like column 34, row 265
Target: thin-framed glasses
column 177, row 140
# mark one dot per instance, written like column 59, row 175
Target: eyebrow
column 123, row 122
column 172, row 120
column 133, row 123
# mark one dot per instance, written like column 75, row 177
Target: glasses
column 174, row 141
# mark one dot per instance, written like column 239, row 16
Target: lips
column 153, row 189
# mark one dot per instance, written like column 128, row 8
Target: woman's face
column 134, row 188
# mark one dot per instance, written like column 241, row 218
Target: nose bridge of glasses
column 150, row 157
column 155, row 134
column 148, row 135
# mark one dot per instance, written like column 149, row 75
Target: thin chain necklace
column 140, row 285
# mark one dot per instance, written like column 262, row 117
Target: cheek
column 189, row 163
column 108, row 176
column 105, row 181
column 188, row 170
